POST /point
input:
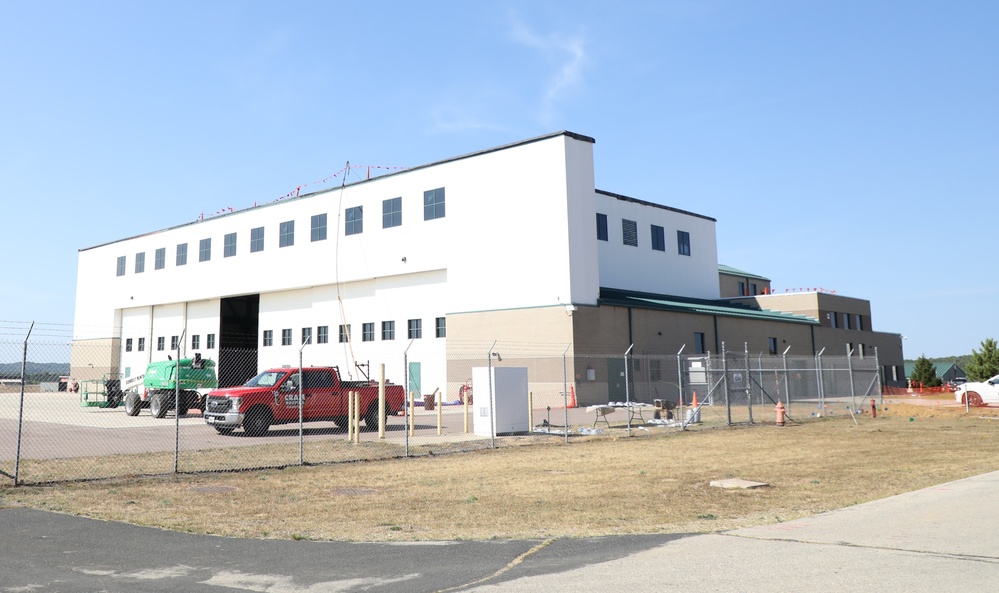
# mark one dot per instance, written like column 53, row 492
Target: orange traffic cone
column 693, row 402
column 572, row 396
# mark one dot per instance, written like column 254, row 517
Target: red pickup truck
column 272, row 398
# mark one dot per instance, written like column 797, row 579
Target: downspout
column 812, row 328
column 631, row 338
column 714, row 320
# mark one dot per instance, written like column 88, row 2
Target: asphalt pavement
column 939, row 539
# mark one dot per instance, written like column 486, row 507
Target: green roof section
column 941, row 368
column 662, row 302
column 723, row 269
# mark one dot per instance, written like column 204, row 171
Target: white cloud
column 567, row 53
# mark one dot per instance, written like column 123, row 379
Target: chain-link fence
column 76, row 409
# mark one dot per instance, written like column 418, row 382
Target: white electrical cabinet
column 508, row 412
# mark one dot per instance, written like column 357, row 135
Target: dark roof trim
column 662, row 302
column 469, row 155
column 653, row 204
column 730, row 271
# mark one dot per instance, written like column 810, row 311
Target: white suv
column 979, row 394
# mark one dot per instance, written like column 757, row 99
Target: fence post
column 749, row 387
column 849, row 366
column 728, row 403
column 301, row 382
column 877, row 370
column 679, row 383
column 381, row 400
column 492, row 411
column 407, row 398
column 176, row 405
column 818, row 382
column 787, row 385
column 20, row 413
column 565, row 394
column 627, row 390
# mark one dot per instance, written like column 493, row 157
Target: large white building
column 513, row 244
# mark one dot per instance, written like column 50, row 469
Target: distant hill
column 12, row 370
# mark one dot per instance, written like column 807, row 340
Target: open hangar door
column 239, row 318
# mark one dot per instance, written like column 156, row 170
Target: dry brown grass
column 655, row 482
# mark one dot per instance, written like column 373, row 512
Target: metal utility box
column 508, row 412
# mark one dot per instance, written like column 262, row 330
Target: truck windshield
column 265, row 379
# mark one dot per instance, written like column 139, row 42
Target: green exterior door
column 615, row 380
column 414, row 379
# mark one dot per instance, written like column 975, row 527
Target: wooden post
column 466, row 414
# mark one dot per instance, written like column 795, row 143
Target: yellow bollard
column 357, row 417
column 530, row 411
column 466, row 415
column 440, row 412
column 350, row 416
column 412, row 410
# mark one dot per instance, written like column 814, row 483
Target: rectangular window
column 161, row 343
column 441, row 327
column 195, row 342
column 141, row 346
column 655, row 370
column 433, row 204
column 160, row 258
column 683, row 242
column 846, row 321
column 415, row 329
column 368, row 332
column 772, row 342
column 391, row 213
column 211, row 342
column 699, row 343
column 268, row 337
column 323, row 336
column 601, row 227
column 344, row 334
column 832, row 319
column 388, row 330
column 205, row 250
column 128, row 344
column 658, row 238
column 306, row 335
column 140, row 263
column 257, row 239
column 354, row 221
column 860, row 322
column 286, row 337
column 229, row 245
column 752, row 289
column 629, row 232
column 120, row 269
column 319, row 227
column 174, row 342
column 742, row 289
column 182, row 254
column 286, row 236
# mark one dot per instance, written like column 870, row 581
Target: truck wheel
column 257, row 421
column 224, row 430
column 132, row 404
column 158, row 405
column 371, row 416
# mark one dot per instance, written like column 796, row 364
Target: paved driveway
column 935, row 540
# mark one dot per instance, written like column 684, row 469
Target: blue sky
column 852, row 146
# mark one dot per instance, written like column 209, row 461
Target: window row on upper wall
column 433, row 208
column 139, row 344
column 849, row 321
column 657, row 236
column 414, row 331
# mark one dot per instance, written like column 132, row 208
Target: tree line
column 980, row 365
